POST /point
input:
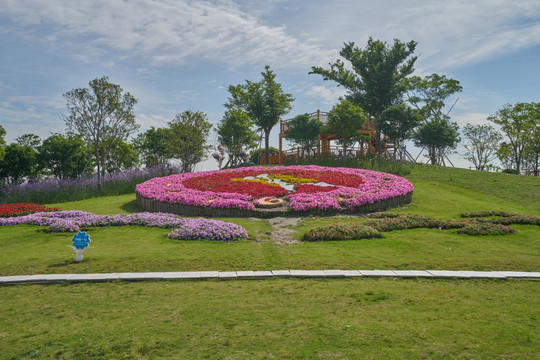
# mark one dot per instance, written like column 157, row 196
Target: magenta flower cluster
column 184, row 228
column 376, row 186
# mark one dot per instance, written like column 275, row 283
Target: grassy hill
column 284, row 318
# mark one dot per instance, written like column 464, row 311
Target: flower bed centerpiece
column 273, row 191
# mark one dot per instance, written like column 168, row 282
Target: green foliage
column 236, row 136
column 29, row 140
column 2, row 142
column 101, row 115
column 386, row 222
column 64, row 156
column 437, row 133
column 122, row 157
column 264, row 102
column 153, row 147
column 520, row 123
column 369, row 161
column 397, row 122
column 341, row 231
column 438, row 136
column 344, row 121
column 255, row 155
column 377, row 79
column 481, row 148
column 188, row 136
column 19, row 164
column 304, row 131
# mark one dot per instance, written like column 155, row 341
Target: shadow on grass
column 131, row 207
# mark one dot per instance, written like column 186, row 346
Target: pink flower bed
column 350, row 188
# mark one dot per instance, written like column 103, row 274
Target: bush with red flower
column 20, row 209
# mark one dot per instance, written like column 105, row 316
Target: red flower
column 19, row 209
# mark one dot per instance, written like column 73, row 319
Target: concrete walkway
column 207, row 275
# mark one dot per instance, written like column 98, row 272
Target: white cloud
column 166, row 31
column 327, row 95
column 471, row 118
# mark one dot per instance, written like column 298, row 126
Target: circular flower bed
column 243, row 191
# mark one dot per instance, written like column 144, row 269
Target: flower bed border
column 153, row 205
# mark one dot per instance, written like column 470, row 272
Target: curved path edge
column 207, row 275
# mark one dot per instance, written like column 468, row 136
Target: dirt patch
column 281, row 234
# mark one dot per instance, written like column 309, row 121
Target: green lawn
column 284, row 318
column 273, row 319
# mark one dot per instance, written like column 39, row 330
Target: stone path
column 205, row 275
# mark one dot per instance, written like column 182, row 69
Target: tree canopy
column 236, row 135
column 304, row 131
column 375, row 76
column 2, row 142
column 520, row 123
column 481, row 147
column 187, row 141
column 64, row 156
column 436, row 132
column 344, row 120
column 101, row 114
column 264, row 102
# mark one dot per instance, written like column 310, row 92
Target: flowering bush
column 19, row 209
column 184, row 228
column 311, row 187
column 385, row 222
column 346, row 231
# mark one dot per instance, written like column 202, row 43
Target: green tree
column 304, row 131
column 255, row 155
column 375, row 78
column 30, row 140
column 18, row 164
column 438, row 136
column 101, row 115
column 518, row 122
column 264, row 102
column 153, row 147
column 532, row 151
column 437, row 133
column 64, row 156
column 344, row 120
column 2, row 142
column 122, row 156
column 188, row 136
column 398, row 122
column 482, row 145
column 236, row 136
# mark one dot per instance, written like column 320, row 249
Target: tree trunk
column 267, row 146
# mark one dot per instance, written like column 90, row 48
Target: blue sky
column 175, row 55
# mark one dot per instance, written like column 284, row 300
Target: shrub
column 342, row 231
column 480, row 228
column 19, row 209
column 368, row 162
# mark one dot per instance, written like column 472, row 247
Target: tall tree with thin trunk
column 264, row 102
column 481, row 147
column 374, row 79
column 518, row 123
column 101, row 115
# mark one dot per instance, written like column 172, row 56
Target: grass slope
column 284, row 318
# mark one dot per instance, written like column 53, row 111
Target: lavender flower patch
column 185, row 228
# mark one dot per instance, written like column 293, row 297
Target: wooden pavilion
column 324, row 145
